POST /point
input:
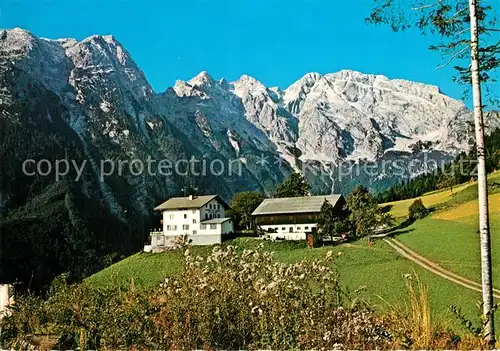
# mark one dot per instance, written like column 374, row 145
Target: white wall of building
column 210, row 229
column 288, row 231
column 289, row 228
column 157, row 239
column 216, row 228
column 198, row 239
column 180, row 222
column 187, row 221
column 6, row 299
column 286, row 236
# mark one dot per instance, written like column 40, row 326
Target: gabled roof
column 215, row 220
column 188, row 202
column 306, row 204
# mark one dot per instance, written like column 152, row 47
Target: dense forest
column 48, row 227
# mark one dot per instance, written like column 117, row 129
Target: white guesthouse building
column 201, row 218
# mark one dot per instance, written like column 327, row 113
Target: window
column 194, row 221
column 218, row 215
column 171, row 216
column 298, row 228
column 213, row 226
column 206, row 206
column 194, row 231
column 203, row 227
column 218, row 206
column 283, row 228
column 185, row 227
column 306, row 228
column 206, row 215
column 194, row 211
column 185, row 215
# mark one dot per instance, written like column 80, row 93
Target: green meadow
column 376, row 274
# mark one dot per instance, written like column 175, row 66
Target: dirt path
column 370, row 248
column 435, row 268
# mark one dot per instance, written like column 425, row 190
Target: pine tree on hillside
column 294, row 186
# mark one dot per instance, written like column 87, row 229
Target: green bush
column 417, row 210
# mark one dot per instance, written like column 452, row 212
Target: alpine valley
column 88, row 101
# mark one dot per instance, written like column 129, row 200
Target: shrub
column 224, row 301
column 417, row 210
column 251, row 301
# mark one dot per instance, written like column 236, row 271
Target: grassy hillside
column 454, row 243
column 449, row 235
column 399, row 209
column 440, row 199
column 374, row 273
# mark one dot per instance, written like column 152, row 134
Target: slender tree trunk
column 484, row 226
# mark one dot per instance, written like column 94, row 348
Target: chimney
column 190, row 197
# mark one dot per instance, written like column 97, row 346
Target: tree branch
column 427, row 6
column 452, row 58
column 459, row 12
column 463, row 31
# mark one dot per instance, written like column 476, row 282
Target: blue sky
column 275, row 41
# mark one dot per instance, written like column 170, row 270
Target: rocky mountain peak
column 16, row 43
column 201, row 79
column 246, row 79
column 100, row 50
column 103, row 60
column 109, row 38
column 248, row 85
column 296, row 93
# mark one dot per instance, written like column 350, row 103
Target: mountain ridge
column 327, row 118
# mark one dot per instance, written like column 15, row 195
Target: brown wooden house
column 293, row 217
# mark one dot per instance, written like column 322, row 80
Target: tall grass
column 412, row 323
column 421, row 320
